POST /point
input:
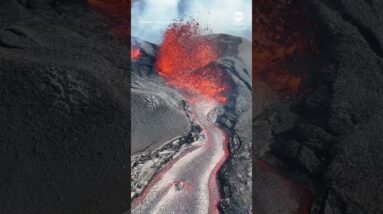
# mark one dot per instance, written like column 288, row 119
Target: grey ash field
column 65, row 116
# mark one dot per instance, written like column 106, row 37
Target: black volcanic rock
column 287, row 150
column 354, row 30
column 64, row 109
column 309, row 160
column 339, row 123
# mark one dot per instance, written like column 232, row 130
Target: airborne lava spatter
column 184, row 60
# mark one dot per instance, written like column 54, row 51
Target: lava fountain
column 188, row 184
column 185, row 60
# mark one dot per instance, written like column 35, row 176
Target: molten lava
column 185, row 60
column 282, row 37
column 135, row 54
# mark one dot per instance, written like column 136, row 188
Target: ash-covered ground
column 162, row 126
column 158, row 111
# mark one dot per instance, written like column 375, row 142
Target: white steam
column 150, row 18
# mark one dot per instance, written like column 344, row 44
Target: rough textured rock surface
column 354, row 174
column 64, row 109
column 338, row 125
column 158, row 111
column 162, row 123
column 236, row 174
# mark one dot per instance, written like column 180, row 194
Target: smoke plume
column 150, row 18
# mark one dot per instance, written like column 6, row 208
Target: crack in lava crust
column 189, row 184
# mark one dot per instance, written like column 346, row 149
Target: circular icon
column 238, row 16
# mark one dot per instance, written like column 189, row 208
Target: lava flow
column 188, row 184
column 135, row 53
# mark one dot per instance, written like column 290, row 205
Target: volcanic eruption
column 185, row 60
column 207, row 73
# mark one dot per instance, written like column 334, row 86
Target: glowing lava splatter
column 188, row 183
column 185, row 60
column 135, row 53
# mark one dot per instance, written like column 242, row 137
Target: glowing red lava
column 281, row 37
column 185, row 61
column 215, row 194
column 135, row 54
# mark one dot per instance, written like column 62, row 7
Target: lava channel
column 188, row 183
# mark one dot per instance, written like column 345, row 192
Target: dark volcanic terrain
column 65, row 117
column 64, row 111
column 330, row 139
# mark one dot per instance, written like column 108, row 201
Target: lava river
column 188, row 183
